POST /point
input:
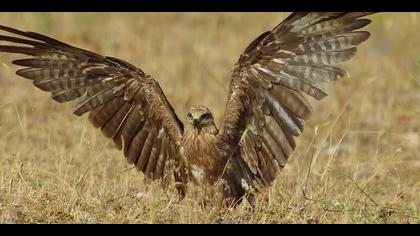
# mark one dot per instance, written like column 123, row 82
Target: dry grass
column 56, row 168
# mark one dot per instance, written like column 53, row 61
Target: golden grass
column 56, row 168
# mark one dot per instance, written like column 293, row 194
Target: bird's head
column 200, row 117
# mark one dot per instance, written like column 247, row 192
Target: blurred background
column 368, row 128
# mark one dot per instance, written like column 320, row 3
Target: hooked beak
column 195, row 123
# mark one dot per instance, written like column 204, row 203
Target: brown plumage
column 265, row 110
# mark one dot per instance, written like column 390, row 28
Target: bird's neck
column 208, row 129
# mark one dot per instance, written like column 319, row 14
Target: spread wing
column 266, row 106
column 124, row 102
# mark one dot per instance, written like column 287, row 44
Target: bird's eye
column 205, row 116
column 189, row 116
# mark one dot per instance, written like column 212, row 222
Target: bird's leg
column 264, row 195
column 204, row 199
column 144, row 194
column 179, row 185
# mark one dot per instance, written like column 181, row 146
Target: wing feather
column 160, row 162
column 266, row 106
column 124, row 102
column 146, row 150
column 134, row 148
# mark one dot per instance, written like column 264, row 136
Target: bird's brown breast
column 204, row 162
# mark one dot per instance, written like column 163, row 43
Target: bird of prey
column 265, row 110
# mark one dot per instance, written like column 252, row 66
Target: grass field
column 363, row 140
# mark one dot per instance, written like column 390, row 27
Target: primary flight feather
column 265, row 110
